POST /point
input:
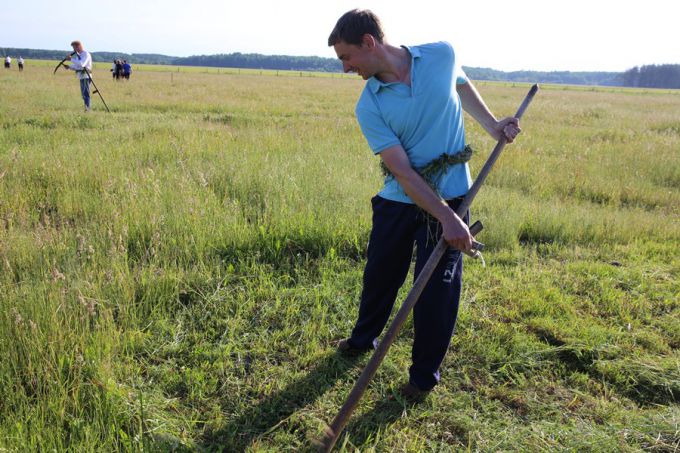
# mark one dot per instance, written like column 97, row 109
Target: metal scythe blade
column 62, row 62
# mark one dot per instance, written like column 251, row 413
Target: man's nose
column 346, row 67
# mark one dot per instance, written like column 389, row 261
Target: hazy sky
column 579, row 35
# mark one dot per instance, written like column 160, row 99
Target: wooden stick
column 340, row 420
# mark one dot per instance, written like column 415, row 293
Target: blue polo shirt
column 426, row 119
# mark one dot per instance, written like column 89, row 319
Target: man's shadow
column 363, row 428
column 241, row 431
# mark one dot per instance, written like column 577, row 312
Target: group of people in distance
column 8, row 63
column 121, row 69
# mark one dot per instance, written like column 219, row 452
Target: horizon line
column 331, row 58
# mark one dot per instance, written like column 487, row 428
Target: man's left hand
column 508, row 128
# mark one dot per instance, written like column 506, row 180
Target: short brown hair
column 353, row 25
column 76, row 43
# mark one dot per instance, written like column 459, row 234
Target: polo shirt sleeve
column 458, row 72
column 378, row 134
column 461, row 77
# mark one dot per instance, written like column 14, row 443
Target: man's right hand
column 456, row 233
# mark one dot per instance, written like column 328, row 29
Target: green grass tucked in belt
column 435, row 168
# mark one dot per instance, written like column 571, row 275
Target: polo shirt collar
column 374, row 84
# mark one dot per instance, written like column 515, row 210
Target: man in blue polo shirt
column 411, row 113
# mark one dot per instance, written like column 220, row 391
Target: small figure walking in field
column 20, row 62
column 127, row 70
column 8, row 62
column 81, row 63
column 410, row 112
column 119, row 69
column 114, row 73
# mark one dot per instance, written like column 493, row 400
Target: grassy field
column 173, row 274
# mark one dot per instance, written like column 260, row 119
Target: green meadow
column 174, row 274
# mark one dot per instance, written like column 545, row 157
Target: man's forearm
column 423, row 195
column 474, row 104
column 454, row 230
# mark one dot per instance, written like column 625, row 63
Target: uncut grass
column 173, row 274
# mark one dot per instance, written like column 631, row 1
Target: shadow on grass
column 271, row 411
column 364, row 429
column 646, row 384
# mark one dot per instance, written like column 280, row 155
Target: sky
column 579, row 35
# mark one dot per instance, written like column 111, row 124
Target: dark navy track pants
column 396, row 227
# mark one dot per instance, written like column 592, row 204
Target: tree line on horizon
column 653, row 76
column 648, row 76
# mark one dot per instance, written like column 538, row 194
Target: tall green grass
column 173, row 274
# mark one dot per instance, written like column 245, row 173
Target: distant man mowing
column 411, row 113
column 81, row 63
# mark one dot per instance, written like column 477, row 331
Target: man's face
column 77, row 48
column 356, row 58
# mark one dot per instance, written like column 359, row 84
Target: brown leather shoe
column 348, row 350
column 410, row 393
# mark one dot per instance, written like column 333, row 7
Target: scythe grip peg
column 476, row 246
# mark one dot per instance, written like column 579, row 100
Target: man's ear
column 368, row 40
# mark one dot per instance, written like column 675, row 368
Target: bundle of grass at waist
column 437, row 167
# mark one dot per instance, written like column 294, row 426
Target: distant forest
column 650, row 76
column 653, row 76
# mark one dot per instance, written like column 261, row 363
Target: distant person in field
column 81, row 63
column 119, row 69
column 8, row 62
column 114, row 74
column 411, row 112
column 127, row 70
column 20, row 62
